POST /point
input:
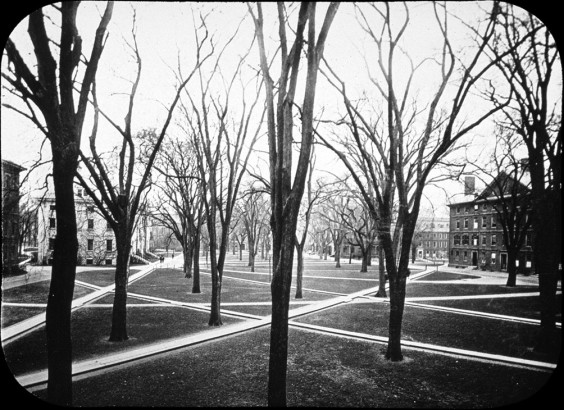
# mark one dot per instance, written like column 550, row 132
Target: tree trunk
column 280, row 287
column 240, row 253
column 59, row 300
column 546, row 254
column 381, row 274
column 511, row 267
column 196, row 261
column 119, row 312
column 338, row 255
column 364, row 265
column 188, row 248
column 397, row 301
column 300, row 270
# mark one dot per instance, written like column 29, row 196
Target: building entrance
column 474, row 258
column 503, row 261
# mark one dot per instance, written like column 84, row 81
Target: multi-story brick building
column 96, row 241
column 10, row 213
column 476, row 234
column 433, row 234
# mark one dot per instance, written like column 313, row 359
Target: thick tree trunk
column 118, row 332
column 59, row 300
column 511, row 267
column 196, row 261
column 381, row 274
column 188, row 257
column 300, row 270
column 397, row 301
column 280, row 287
column 338, row 255
column 364, row 263
column 240, row 253
column 547, row 255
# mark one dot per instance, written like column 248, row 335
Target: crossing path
column 37, row 380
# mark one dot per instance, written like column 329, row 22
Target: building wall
column 476, row 238
column 10, row 213
column 434, row 238
column 96, row 241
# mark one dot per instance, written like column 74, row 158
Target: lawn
column 323, row 371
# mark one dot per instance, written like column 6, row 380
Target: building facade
column 10, row 214
column 433, row 238
column 476, row 236
column 96, row 241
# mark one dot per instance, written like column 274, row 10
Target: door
column 503, row 261
column 474, row 258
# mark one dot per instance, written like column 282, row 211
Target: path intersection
column 336, row 302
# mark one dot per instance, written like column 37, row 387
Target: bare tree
column 179, row 203
column 254, row 213
column 118, row 195
column 396, row 158
column 526, row 54
column 285, row 195
column 48, row 89
column 508, row 190
column 223, row 145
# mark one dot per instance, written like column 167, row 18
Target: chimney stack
column 469, row 185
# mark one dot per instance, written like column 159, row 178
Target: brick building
column 10, row 213
column 433, row 235
column 476, row 233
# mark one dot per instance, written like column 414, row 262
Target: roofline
column 13, row 164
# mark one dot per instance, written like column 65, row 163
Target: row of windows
column 483, row 240
column 476, row 222
column 467, row 208
column 89, row 222
column 435, row 244
column 89, row 244
column 435, row 235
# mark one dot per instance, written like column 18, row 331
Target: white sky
column 165, row 27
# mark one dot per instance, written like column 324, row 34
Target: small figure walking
column 162, row 258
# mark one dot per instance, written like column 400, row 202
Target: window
column 458, row 224
column 108, row 225
column 493, row 257
column 484, row 240
column 475, row 207
column 51, row 207
column 466, row 209
column 457, row 239
column 484, row 222
column 465, row 239
column 90, row 261
column 434, row 244
column 457, row 209
column 108, row 244
column 457, row 255
column 465, row 256
column 466, row 223
column 493, row 221
column 108, row 261
column 475, row 222
column 52, row 223
column 90, row 244
column 90, row 223
column 475, row 240
column 51, row 244
column 494, row 240
column 485, row 206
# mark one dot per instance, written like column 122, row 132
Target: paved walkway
column 37, row 380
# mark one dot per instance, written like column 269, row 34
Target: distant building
column 433, row 238
column 476, row 234
column 96, row 241
column 10, row 213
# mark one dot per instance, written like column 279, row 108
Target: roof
column 491, row 191
column 11, row 164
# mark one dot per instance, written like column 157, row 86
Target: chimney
column 469, row 185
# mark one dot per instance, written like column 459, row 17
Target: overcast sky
column 165, row 37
